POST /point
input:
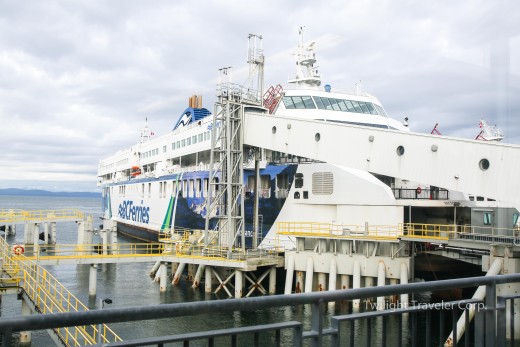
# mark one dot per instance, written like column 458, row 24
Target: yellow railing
column 420, row 231
column 311, row 229
column 430, row 231
column 49, row 296
column 94, row 250
column 177, row 234
column 21, row 216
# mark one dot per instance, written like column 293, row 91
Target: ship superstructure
column 171, row 182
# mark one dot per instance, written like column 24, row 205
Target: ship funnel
column 195, row 101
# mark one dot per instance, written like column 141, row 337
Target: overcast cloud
column 78, row 78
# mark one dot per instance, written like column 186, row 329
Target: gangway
column 45, row 294
column 476, row 167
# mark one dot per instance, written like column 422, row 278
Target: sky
column 79, row 78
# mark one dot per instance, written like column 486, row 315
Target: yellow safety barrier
column 75, row 251
column 49, row 296
column 21, row 216
column 330, row 230
column 419, row 231
column 440, row 232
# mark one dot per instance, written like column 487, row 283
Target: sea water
column 130, row 285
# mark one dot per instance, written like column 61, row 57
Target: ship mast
column 306, row 73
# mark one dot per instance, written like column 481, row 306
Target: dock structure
column 237, row 272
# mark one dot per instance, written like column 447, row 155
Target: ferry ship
column 162, row 183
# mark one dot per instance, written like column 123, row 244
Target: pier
column 328, row 261
column 328, row 257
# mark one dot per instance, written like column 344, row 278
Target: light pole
column 101, row 305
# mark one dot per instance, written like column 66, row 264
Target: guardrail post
column 317, row 322
column 501, row 321
column 490, row 313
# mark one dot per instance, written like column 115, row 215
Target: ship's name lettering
column 210, row 126
column 129, row 211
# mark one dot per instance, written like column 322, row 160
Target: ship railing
column 332, row 230
column 48, row 296
column 400, row 323
column 237, row 92
column 421, row 194
column 21, row 216
column 74, row 251
column 445, row 232
column 429, row 231
column 419, row 231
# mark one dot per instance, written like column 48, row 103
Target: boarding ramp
column 45, row 295
column 476, row 167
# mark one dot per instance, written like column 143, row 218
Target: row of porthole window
column 483, row 163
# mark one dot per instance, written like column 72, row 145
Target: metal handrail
column 50, row 296
column 20, row 216
column 409, row 231
column 316, row 299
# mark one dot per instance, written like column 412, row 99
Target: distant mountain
column 38, row 192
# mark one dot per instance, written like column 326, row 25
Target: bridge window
column 289, row 104
column 318, row 102
column 341, row 104
column 371, row 108
column 327, row 104
column 364, row 107
column 334, row 104
column 298, row 102
column 350, row 107
column 356, row 106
